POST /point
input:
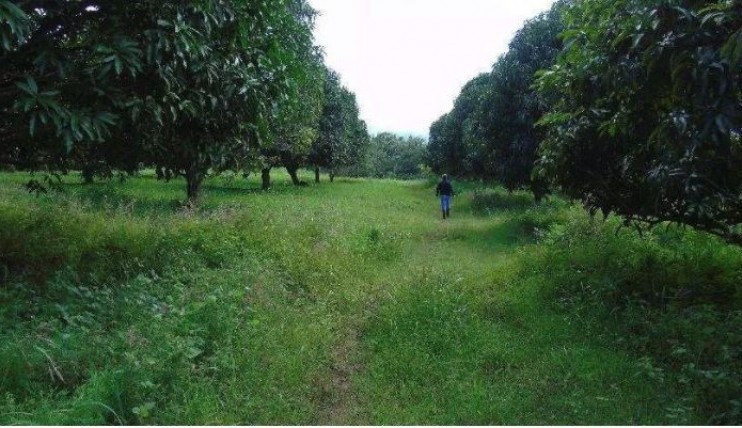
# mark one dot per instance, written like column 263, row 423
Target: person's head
column 444, row 177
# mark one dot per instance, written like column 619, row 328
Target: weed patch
column 671, row 297
column 491, row 201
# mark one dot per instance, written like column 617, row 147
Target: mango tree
column 219, row 84
column 343, row 136
column 513, row 107
column 295, row 127
column 646, row 112
column 186, row 86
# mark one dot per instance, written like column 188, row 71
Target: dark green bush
column 671, row 296
column 497, row 200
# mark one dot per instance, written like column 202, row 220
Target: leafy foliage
column 296, row 125
column 646, row 116
column 343, row 136
column 513, row 106
column 64, row 67
column 220, row 103
column 671, row 297
column 185, row 86
column 451, row 149
column 14, row 25
column 490, row 132
column 392, row 156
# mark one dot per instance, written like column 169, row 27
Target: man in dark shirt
column 445, row 191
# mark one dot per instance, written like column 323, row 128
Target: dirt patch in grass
column 339, row 403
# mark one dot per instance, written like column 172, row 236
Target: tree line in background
column 633, row 107
column 189, row 88
column 392, row 156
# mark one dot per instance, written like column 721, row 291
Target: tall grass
column 671, row 297
column 352, row 302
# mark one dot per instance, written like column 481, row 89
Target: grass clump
column 671, row 297
column 493, row 200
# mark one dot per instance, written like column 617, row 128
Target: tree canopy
column 394, row 156
column 490, row 132
column 187, row 87
column 343, row 136
column 452, row 145
column 646, row 112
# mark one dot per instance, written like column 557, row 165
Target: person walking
column 444, row 190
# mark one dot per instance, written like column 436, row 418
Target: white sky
column 407, row 60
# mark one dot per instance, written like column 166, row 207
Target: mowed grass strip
column 347, row 302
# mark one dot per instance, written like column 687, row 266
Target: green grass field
column 354, row 303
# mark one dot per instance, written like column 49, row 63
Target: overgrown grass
column 671, row 297
column 352, row 302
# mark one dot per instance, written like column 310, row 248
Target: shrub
column 670, row 296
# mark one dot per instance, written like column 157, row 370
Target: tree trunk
column 163, row 173
column 316, row 174
column 266, row 177
column 88, row 173
column 332, row 176
column 292, row 173
column 193, row 185
column 539, row 190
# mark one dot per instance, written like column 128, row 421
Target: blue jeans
column 445, row 202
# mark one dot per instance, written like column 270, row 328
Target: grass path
column 427, row 328
column 343, row 303
column 427, row 251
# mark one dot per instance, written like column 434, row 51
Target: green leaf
column 5, row 41
column 29, row 86
column 732, row 50
column 32, row 84
column 119, row 65
column 68, row 140
column 106, row 118
column 32, row 125
column 88, row 127
column 14, row 10
column 193, row 353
